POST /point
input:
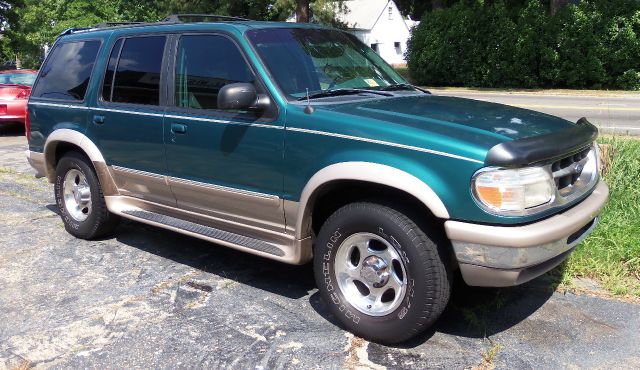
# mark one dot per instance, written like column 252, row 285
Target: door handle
column 178, row 128
column 98, row 120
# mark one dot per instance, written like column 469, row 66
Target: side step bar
column 206, row 231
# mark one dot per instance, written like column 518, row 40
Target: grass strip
column 611, row 254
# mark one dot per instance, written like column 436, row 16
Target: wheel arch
column 62, row 140
column 364, row 173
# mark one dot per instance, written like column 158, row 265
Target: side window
column 137, row 78
column 204, row 64
column 66, row 73
column 110, row 73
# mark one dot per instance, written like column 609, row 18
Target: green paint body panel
column 440, row 140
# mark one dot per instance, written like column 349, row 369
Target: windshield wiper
column 396, row 87
column 338, row 92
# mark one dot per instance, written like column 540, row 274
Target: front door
column 127, row 121
column 226, row 164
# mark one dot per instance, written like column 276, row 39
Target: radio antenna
column 308, row 109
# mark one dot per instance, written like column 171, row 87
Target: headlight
column 512, row 191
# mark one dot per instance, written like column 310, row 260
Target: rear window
column 17, row 78
column 65, row 75
column 137, row 75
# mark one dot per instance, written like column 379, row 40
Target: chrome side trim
column 128, row 112
column 202, row 119
column 142, row 184
column 58, row 105
column 137, row 172
column 253, row 209
column 236, row 206
column 273, row 198
column 381, row 142
column 367, row 172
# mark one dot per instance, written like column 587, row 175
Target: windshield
column 17, row 78
column 320, row 60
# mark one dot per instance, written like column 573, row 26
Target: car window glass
column 107, row 83
column 204, row 64
column 137, row 77
column 66, row 73
column 302, row 59
column 17, row 78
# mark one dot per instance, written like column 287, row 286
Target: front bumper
column 500, row 256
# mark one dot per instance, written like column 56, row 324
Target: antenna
column 308, row 109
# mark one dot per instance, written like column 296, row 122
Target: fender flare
column 366, row 172
column 65, row 135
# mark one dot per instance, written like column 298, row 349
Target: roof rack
column 115, row 24
column 179, row 18
column 69, row 31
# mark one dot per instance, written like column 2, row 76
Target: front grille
column 567, row 171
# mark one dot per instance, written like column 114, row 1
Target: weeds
column 611, row 254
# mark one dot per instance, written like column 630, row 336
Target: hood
column 452, row 116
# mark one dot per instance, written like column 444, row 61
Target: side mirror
column 241, row 95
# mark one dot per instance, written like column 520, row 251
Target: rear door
column 223, row 163
column 127, row 122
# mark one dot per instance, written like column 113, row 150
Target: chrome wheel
column 76, row 193
column 370, row 274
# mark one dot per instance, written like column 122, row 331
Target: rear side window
column 137, row 74
column 65, row 75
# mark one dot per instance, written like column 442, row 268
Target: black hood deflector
column 542, row 148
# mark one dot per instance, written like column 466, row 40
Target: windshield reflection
column 319, row 60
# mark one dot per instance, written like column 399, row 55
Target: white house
column 379, row 24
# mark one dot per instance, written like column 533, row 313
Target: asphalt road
column 151, row 298
column 618, row 114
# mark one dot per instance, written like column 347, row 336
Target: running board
column 205, row 232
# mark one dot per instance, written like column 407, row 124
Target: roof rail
column 114, row 24
column 178, row 18
column 69, row 31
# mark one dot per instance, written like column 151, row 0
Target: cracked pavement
column 151, row 298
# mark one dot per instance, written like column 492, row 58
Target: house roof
column 362, row 14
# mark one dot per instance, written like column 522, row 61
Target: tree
column 302, row 11
column 556, row 5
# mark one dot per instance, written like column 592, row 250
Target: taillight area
column 27, row 124
column 23, row 94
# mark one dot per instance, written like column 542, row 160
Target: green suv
column 298, row 143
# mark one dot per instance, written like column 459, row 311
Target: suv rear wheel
column 380, row 274
column 80, row 200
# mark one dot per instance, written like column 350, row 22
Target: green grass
column 611, row 254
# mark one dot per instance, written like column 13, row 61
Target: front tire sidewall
column 392, row 327
column 81, row 229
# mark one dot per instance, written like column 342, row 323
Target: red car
column 15, row 87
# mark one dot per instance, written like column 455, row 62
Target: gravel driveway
column 151, row 298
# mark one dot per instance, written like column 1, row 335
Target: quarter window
column 204, row 64
column 137, row 78
column 66, row 74
column 107, row 84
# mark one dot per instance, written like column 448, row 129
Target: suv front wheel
column 380, row 274
column 80, row 200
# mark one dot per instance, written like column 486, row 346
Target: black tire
column 428, row 279
column 99, row 221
